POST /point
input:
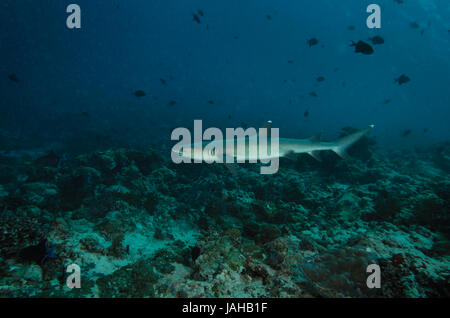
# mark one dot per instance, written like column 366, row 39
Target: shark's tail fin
column 345, row 142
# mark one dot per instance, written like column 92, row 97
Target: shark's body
column 286, row 148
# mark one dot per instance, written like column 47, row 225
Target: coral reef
column 141, row 226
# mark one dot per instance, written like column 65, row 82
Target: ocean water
column 87, row 176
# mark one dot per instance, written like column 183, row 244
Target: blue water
column 124, row 46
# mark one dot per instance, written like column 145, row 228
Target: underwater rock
column 136, row 280
column 338, row 273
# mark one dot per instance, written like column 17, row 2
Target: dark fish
column 386, row 101
column 85, row 114
column 306, row 113
column 422, row 32
column 313, row 94
column 211, row 102
column 362, row 47
column 13, row 78
column 236, row 37
column 399, row 1
column 351, row 28
column 200, row 12
column 320, row 79
column 196, row 18
column 425, row 130
column 163, row 81
column 229, row 116
column 376, row 40
column 172, row 103
column 139, row 93
column 402, row 79
column 195, row 253
column 414, row 25
column 406, row 132
column 268, row 17
column 313, row 41
column 290, row 62
column 37, row 253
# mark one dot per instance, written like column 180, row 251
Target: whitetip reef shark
column 242, row 150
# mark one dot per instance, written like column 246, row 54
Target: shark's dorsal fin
column 316, row 137
column 268, row 126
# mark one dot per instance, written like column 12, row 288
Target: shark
column 244, row 151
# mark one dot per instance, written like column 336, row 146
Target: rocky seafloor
column 141, row 226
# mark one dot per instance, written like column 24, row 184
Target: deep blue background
column 121, row 49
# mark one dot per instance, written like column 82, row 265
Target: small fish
column 229, row 116
column 139, row 93
column 376, row 40
column 407, row 132
column 236, row 37
column 196, row 18
column 422, row 32
column 172, row 103
column 163, row 81
column 85, row 114
column 320, row 79
column 386, row 101
column 399, row 1
column 13, row 78
column 37, row 253
column 290, row 62
column 414, row 25
column 425, row 130
column 268, row 17
column 200, row 12
column 313, row 41
column 351, row 28
column 313, row 94
column 211, row 102
column 402, row 79
column 362, row 47
column 306, row 113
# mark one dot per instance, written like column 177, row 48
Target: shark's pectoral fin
column 342, row 153
column 315, row 155
column 290, row 155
